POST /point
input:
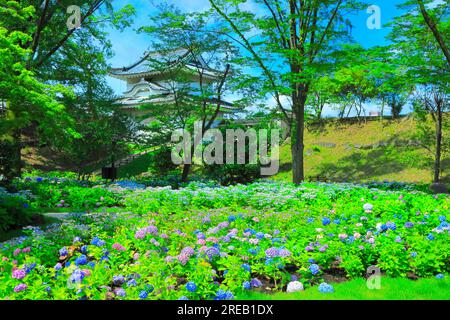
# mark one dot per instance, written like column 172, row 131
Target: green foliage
column 15, row 211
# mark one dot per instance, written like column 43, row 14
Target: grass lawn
column 391, row 289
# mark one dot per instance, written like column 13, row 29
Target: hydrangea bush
column 206, row 242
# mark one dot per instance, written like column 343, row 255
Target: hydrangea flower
column 314, row 269
column 246, row 267
column 272, row 252
column 63, row 252
column 118, row 280
column 430, row 237
column 143, row 295
column 368, row 207
column 58, row 266
column 81, row 260
column 409, row 225
column 246, row 285
column 255, row 283
column 191, row 286
column 326, row 221
column 120, row 292
column 77, row 276
column 326, row 288
column 224, row 295
column 19, row 274
column 294, row 286
column 132, row 283
column 119, row 247
column 183, row 298
column 440, row 276
column 20, row 287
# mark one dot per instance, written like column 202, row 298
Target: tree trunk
column 437, row 161
column 185, row 174
column 297, row 139
column 17, row 156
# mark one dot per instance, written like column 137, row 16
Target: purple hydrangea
column 255, row 283
column 19, row 274
column 20, row 287
column 272, row 252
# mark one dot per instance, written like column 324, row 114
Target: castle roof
column 159, row 62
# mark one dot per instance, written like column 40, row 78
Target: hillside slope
column 363, row 152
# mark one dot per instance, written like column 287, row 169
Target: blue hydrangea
column 314, row 269
column 442, row 218
column 231, row 218
column 336, row 221
column 430, row 237
column 77, row 276
column 259, row 235
column 409, row 225
column 224, row 295
column 120, row 292
column 310, row 220
column 391, row 225
column 413, row 254
column 252, row 251
column 191, row 286
column 246, row 285
column 91, row 264
column 143, row 295
column 132, row 283
column 84, row 249
column 326, row 288
column 326, row 221
column 81, row 260
column 98, row 242
column 183, row 298
column 440, row 276
column 246, row 267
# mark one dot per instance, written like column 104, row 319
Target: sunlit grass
column 356, row 289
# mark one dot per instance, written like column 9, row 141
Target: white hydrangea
column 294, row 286
column 367, row 207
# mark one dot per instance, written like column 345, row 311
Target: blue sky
column 129, row 45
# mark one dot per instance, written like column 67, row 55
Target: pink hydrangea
column 201, row 242
column 18, row 274
column 17, row 251
column 86, row 272
column 212, row 239
column 20, row 287
column 27, row 249
column 254, row 241
column 140, row 234
column 118, row 247
column 164, row 236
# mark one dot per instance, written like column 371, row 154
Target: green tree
column 289, row 42
column 38, row 33
column 196, row 94
column 422, row 52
